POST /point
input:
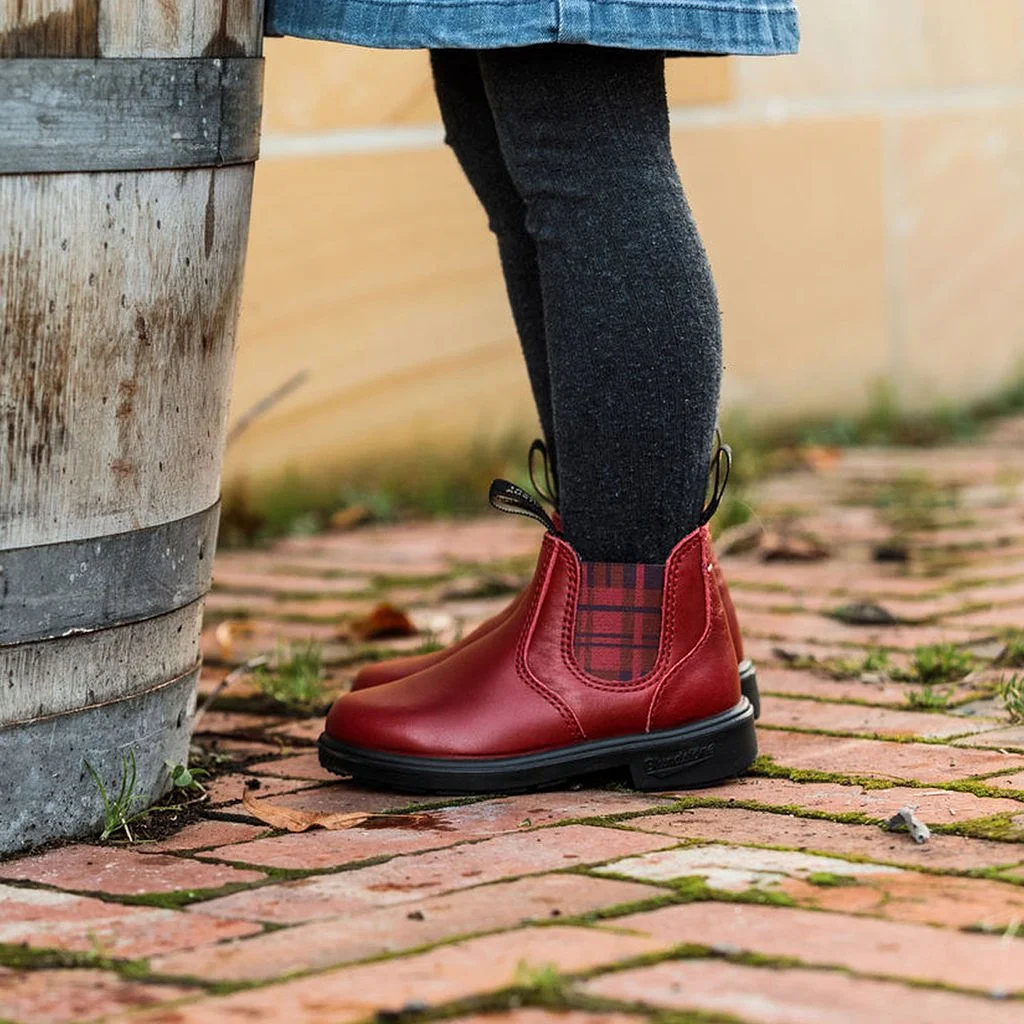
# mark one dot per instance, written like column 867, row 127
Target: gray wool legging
column 567, row 148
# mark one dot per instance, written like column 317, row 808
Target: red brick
column 226, row 789
column 405, row 834
column 1007, row 534
column 309, row 611
column 203, row 835
column 233, row 723
column 1003, row 617
column 775, row 655
column 404, row 879
column 277, row 582
column 934, row 806
column 337, row 798
column 917, row 762
column 860, row 944
column 1006, row 593
column 237, row 750
column 997, row 739
column 56, row 997
column 1013, row 781
column 300, row 766
column 797, row 683
column 764, row 995
column 324, row 944
column 305, row 732
column 258, row 637
column 442, row 975
column 737, row 825
column 739, row 868
column 919, row 898
column 58, row 920
column 428, row 547
column 819, row 629
column 319, row 849
column 849, row 718
column 535, row 809
column 120, row 871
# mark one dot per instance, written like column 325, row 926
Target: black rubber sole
column 748, row 681
column 689, row 756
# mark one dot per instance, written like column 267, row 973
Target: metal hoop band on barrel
column 73, row 115
column 58, row 590
column 46, row 759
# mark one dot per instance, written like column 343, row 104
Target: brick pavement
column 776, row 898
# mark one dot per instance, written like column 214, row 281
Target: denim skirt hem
column 685, row 26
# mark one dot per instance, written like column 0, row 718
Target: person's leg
column 630, row 311
column 469, row 130
column 632, row 327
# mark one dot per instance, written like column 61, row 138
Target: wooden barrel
column 127, row 142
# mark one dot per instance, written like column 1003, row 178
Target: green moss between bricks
column 178, row 898
column 867, row 734
column 18, row 957
column 827, row 880
column 766, row 767
column 998, row 827
column 555, row 994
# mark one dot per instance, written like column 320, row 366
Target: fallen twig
column 264, row 405
column 232, row 676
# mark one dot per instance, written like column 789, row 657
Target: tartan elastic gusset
column 618, row 619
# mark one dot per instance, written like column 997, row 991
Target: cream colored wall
column 863, row 204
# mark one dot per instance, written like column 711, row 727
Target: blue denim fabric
column 696, row 26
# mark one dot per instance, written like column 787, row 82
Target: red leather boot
column 389, row 670
column 392, row 669
column 516, row 710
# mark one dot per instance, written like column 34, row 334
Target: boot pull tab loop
column 721, row 467
column 507, row 497
column 548, row 488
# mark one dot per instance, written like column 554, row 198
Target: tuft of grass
column 1012, row 693
column 886, row 423
column 941, row 663
column 1012, row 655
column 127, row 807
column 431, row 645
column 876, row 660
column 121, row 810
column 295, row 678
column 912, row 502
column 542, row 982
column 929, row 698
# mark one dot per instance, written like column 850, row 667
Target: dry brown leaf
column 228, row 632
column 739, row 540
column 792, row 546
column 349, row 518
column 384, row 621
column 821, row 457
column 295, row 820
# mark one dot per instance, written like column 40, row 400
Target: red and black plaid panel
column 618, row 619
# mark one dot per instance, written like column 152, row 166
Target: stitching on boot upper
column 522, row 668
